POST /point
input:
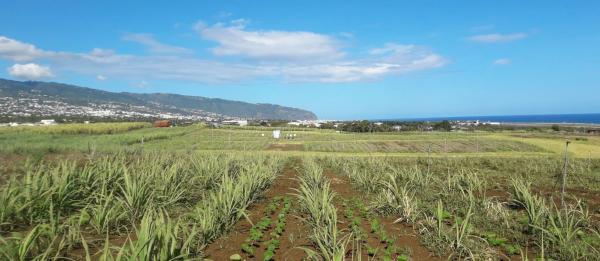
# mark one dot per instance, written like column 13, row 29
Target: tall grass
column 158, row 237
column 110, row 195
column 396, row 199
column 224, row 206
column 533, row 204
column 316, row 199
column 77, row 128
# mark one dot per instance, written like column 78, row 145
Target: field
column 127, row 191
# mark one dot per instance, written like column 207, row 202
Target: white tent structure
column 276, row 134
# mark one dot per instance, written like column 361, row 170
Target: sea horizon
column 580, row 118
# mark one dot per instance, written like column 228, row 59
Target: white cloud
column 497, row 38
column 141, row 84
column 101, row 77
column 502, row 61
column 29, row 71
column 281, row 64
column 155, row 46
column 234, row 39
column 17, row 51
column 337, row 73
column 388, row 60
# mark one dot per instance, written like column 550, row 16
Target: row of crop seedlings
column 382, row 245
column 456, row 219
column 52, row 211
column 315, row 199
column 408, row 195
column 259, row 230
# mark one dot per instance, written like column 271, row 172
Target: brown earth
column 293, row 238
column 406, row 236
column 589, row 197
column 285, row 147
column 296, row 234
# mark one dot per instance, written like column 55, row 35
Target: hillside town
column 47, row 106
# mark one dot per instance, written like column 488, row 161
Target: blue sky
column 339, row 59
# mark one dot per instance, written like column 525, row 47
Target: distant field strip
column 582, row 148
column 298, row 153
column 424, row 146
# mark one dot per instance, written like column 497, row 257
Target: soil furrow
column 293, row 238
column 406, row 237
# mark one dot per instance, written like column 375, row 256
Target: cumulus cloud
column 387, row 60
column 154, row 45
column 29, row 71
column 273, row 55
column 497, row 38
column 18, row 51
column 141, row 84
column 235, row 39
column 502, row 61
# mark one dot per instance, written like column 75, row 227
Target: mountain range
column 36, row 98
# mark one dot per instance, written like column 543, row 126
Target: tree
column 443, row 125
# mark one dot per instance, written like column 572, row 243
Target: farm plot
column 327, row 220
column 457, row 215
column 83, row 138
column 272, row 228
column 128, row 207
column 194, row 193
column 424, row 146
column 216, row 139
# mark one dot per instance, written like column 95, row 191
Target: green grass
column 100, row 190
column 108, row 137
column 446, row 200
column 167, row 205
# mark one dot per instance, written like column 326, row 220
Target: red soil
column 406, row 236
column 285, row 147
column 292, row 240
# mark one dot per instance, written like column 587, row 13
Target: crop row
column 316, row 200
column 455, row 218
column 158, row 206
column 258, row 230
column 385, row 247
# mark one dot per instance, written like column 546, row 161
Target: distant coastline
column 574, row 119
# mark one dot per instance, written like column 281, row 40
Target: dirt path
column 293, row 237
column 285, row 147
column 405, row 238
column 349, row 204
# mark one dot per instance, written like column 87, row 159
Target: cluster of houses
column 476, row 123
column 309, row 123
column 40, row 123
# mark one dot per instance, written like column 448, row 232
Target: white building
column 235, row 122
column 48, row 122
column 276, row 134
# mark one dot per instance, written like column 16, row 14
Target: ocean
column 591, row 118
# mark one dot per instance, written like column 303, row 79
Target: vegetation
column 316, row 197
column 73, row 129
column 456, row 218
column 125, row 191
column 75, row 95
column 165, row 206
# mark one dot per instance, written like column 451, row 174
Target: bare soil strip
column 296, row 233
column 405, row 236
column 285, row 147
column 293, row 238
